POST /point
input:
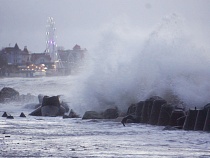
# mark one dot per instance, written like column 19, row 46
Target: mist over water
column 125, row 69
column 135, row 56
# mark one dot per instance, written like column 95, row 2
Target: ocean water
column 123, row 68
column 58, row 137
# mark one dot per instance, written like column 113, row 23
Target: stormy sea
column 122, row 69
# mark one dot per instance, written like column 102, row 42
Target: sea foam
column 127, row 67
column 123, row 69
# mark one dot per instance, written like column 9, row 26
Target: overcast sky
column 82, row 21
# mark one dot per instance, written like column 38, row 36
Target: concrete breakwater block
column 156, row 111
column 50, row 106
column 146, row 111
column 36, row 112
column 180, row 121
column 156, row 107
column 8, row 94
column 5, row 114
column 50, row 110
column 165, row 114
column 51, row 101
column 131, row 109
column 22, row 114
column 207, row 121
column 190, row 119
column 138, row 112
column 92, row 115
column 10, row 117
column 200, row 119
column 176, row 114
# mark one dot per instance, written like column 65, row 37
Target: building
column 23, row 63
column 19, row 63
column 72, row 59
column 40, row 58
column 16, row 56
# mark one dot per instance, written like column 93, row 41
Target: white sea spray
column 126, row 67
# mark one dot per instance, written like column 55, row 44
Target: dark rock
column 165, row 114
column 138, row 112
column 111, row 113
column 151, row 109
column 36, row 112
column 65, row 105
column 176, row 114
column 129, row 119
column 141, row 111
column 134, row 113
column 189, row 123
column 200, row 120
column 152, row 98
column 180, row 121
column 10, row 117
column 72, row 114
column 5, row 114
column 8, row 93
column 61, row 111
column 22, row 114
column 131, row 109
column 54, row 101
column 207, row 122
column 51, row 111
column 171, row 128
column 37, row 106
column 136, row 116
column 146, row 110
column 92, row 115
column 50, row 107
column 51, row 101
column 66, row 116
column 156, row 107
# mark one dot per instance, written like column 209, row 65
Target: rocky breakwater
column 47, row 106
column 110, row 113
column 156, row 111
column 8, row 94
column 198, row 119
column 50, row 106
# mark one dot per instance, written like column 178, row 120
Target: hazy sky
column 82, row 21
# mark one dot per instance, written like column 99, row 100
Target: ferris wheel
column 51, row 46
